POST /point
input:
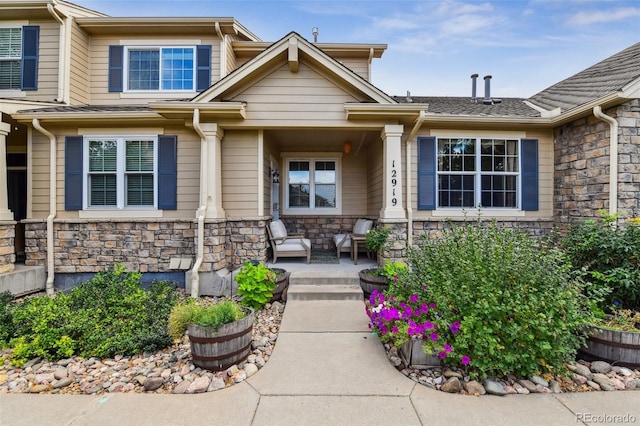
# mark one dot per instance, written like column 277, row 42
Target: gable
column 286, row 96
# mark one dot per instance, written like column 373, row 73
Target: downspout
column 52, row 204
column 62, row 53
column 223, row 51
column 202, row 210
column 414, row 131
column 613, row 157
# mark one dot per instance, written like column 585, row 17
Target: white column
column 5, row 213
column 392, row 205
column 213, row 162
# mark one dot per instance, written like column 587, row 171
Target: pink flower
column 442, row 355
column 434, row 336
column 413, row 298
column 455, row 327
column 447, row 348
column 465, row 360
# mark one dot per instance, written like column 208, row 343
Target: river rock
column 493, row 388
column 584, row 371
column 60, row 373
column 199, row 385
column 555, row 387
column 181, row 387
column 153, row 383
column 452, row 385
column 540, row 381
column 250, row 369
column 600, row 367
column 528, row 385
column 603, row 381
column 216, row 383
column 521, row 389
column 65, row 381
column 474, row 388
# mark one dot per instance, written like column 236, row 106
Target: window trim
column 125, row 69
column 120, row 174
column 312, row 157
column 478, row 173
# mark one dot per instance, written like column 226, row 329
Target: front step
column 324, row 292
column 324, row 278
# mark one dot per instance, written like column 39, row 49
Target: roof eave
column 579, row 111
column 357, row 111
column 71, row 117
column 227, row 110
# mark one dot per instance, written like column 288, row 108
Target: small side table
column 355, row 239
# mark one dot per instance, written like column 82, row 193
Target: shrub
column 107, row 315
column 610, row 256
column 256, row 283
column 377, row 237
column 211, row 315
column 6, row 323
column 520, row 310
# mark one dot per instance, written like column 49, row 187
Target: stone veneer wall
column 247, row 240
column 397, row 241
column 434, row 228
column 320, row 229
column 581, row 181
column 82, row 246
column 7, row 249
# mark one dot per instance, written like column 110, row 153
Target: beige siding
column 188, row 174
column 375, row 162
column 79, row 83
column 47, row 62
column 289, row 99
column 239, row 173
column 230, row 60
column 354, row 185
column 359, row 66
column 545, row 154
column 99, row 68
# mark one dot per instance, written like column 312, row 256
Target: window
column 312, row 184
column 121, row 172
column 10, row 58
column 498, row 173
column 161, row 69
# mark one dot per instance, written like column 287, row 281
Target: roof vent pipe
column 487, row 89
column 314, row 31
column 409, row 97
column 474, row 82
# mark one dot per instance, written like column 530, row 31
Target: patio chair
column 287, row 245
column 343, row 241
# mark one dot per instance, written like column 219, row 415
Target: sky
column 435, row 45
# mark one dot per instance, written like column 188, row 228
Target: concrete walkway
column 326, row 369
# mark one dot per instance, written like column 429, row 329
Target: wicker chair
column 285, row 244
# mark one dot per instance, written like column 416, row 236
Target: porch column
column 213, row 163
column 392, row 173
column 5, row 213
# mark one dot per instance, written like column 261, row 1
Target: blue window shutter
column 427, row 173
column 30, row 36
column 203, row 72
column 73, row 173
column 116, row 69
column 167, row 172
column 529, row 168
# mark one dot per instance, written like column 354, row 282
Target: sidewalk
column 326, row 369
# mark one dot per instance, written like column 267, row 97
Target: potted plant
column 256, row 284
column 615, row 338
column 377, row 240
column 379, row 278
column 282, row 285
column 219, row 332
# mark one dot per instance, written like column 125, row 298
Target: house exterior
column 169, row 144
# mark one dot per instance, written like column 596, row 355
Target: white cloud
column 598, row 16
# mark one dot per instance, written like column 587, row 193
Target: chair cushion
column 293, row 244
column 278, row 231
column 337, row 238
column 362, row 226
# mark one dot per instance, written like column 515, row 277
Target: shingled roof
column 91, row 108
column 607, row 76
column 505, row 107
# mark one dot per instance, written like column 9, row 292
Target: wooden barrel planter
column 412, row 353
column 282, row 284
column 369, row 281
column 617, row 347
column 219, row 350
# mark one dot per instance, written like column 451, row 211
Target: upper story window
column 312, row 184
column 464, row 173
column 10, row 58
column 161, row 68
column 121, row 172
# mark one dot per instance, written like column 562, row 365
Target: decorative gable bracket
column 293, row 55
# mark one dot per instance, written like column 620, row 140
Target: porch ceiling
column 320, row 140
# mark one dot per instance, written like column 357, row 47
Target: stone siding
column 320, row 229
column 144, row 246
column 582, row 167
column 7, row 248
column 247, row 240
column 434, row 228
column 397, row 241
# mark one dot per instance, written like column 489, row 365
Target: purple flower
column 465, row 360
column 413, row 298
column 432, row 305
column 442, row 355
column 394, row 329
column 447, row 348
column 424, row 308
column 434, row 336
column 455, row 327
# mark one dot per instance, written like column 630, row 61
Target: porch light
column 346, row 147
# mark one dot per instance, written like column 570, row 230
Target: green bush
column 107, row 315
column 7, row 329
column 520, row 310
column 256, row 283
column 610, row 256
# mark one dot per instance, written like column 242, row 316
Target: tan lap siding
column 79, row 84
column 239, row 173
column 47, row 62
column 354, row 185
column 374, row 179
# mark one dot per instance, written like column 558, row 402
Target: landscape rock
column 493, row 388
column 584, row 371
column 153, row 383
column 200, row 385
column 452, row 385
column 601, row 367
column 474, row 388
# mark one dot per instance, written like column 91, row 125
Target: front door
column 17, row 197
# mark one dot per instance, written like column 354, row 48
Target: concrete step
column 324, row 292
column 324, row 278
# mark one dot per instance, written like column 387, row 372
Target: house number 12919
column 394, row 183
